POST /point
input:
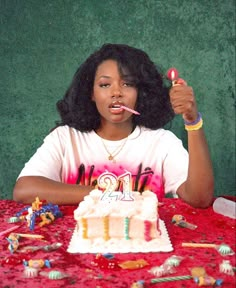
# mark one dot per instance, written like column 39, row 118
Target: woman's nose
column 116, row 92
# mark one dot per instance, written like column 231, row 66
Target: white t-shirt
column 156, row 159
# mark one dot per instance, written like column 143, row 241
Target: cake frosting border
column 160, row 244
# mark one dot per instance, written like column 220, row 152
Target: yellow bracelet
column 195, row 127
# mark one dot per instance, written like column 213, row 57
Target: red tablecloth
column 212, row 228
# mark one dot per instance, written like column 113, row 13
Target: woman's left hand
column 183, row 100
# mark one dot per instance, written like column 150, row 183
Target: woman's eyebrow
column 104, row 76
column 124, row 77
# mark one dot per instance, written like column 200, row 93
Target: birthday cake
column 118, row 225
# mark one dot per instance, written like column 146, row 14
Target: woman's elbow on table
column 21, row 191
column 197, row 198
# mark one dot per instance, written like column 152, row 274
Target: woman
column 99, row 132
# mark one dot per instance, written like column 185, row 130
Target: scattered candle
column 223, row 249
column 36, row 236
column 199, row 245
column 4, row 232
column 168, row 279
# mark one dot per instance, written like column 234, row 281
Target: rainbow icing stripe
column 106, row 228
column 147, row 230
column 126, row 228
column 126, row 221
column 84, row 228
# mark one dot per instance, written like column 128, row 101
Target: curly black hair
column 77, row 109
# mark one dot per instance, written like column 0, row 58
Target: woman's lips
column 115, row 107
column 118, row 107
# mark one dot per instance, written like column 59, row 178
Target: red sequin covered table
column 212, row 228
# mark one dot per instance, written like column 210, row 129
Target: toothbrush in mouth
column 130, row 110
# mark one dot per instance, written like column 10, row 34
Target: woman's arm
column 198, row 190
column 27, row 188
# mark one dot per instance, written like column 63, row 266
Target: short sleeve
column 47, row 160
column 175, row 166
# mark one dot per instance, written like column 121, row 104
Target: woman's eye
column 128, row 84
column 104, row 85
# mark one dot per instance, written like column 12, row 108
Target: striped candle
column 169, row 279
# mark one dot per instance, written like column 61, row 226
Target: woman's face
column 110, row 90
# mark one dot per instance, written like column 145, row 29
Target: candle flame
column 172, row 75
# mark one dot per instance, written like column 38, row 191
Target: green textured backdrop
column 43, row 42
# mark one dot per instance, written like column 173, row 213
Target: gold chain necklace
column 112, row 155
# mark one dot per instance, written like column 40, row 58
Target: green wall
column 42, row 42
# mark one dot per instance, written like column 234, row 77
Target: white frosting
column 143, row 207
column 95, row 194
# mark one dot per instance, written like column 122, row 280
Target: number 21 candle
column 110, row 182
